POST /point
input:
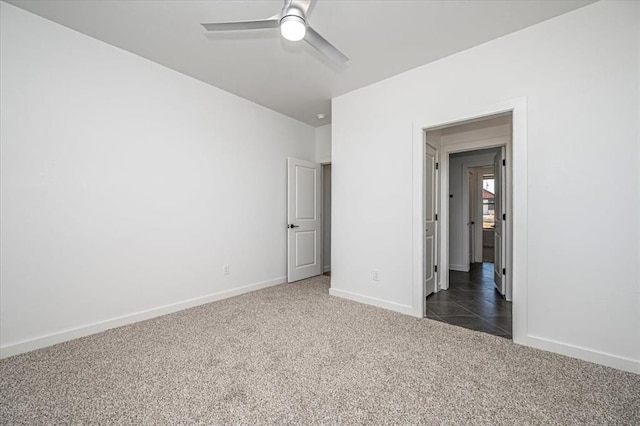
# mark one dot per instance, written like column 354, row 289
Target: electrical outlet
column 376, row 275
column 226, row 270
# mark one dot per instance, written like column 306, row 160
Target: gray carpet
column 292, row 354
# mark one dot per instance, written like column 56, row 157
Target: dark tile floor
column 472, row 302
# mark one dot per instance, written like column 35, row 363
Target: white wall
column 126, row 186
column 580, row 73
column 323, row 144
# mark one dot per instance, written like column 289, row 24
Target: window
column 488, row 202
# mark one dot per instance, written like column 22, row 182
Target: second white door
column 500, row 218
column 430, row 218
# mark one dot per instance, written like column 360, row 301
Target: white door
column 499, row 262
column 304, row 224
column 430, row 217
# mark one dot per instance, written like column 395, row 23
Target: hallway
column 472, row 302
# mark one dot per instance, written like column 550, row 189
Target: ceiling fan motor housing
column 293, row 13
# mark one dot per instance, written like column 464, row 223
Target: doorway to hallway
column 475, row 292
column 440, row 132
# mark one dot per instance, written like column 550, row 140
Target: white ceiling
column 381, row 38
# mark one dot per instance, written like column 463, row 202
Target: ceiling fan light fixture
column 293, row 28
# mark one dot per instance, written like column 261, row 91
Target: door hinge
column 435, row 268
column 504, row 271
column 504, row 216
column 437, row 165
column 436, row 216
column 504, row 162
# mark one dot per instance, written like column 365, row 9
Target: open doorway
column 475, row 292
column 326, row 219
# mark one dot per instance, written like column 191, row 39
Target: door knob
column 293, row 226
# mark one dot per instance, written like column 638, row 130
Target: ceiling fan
column 292, row 21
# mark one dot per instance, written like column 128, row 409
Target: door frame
column 322, row 164
column 471, row 181
column 498, row 142
column 473, row 209
column 516, row 205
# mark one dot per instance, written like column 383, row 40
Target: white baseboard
column 609, row 360
column 602, row 358
column 403, row 309
column 458, row 268
column 97, row 327
column 326, row 268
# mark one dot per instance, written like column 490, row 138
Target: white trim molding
column 97, row 327
column 367, row 300
column 590, row 355
column 458, row 268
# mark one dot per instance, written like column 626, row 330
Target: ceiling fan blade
column 272, row 22
column 323, row 46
